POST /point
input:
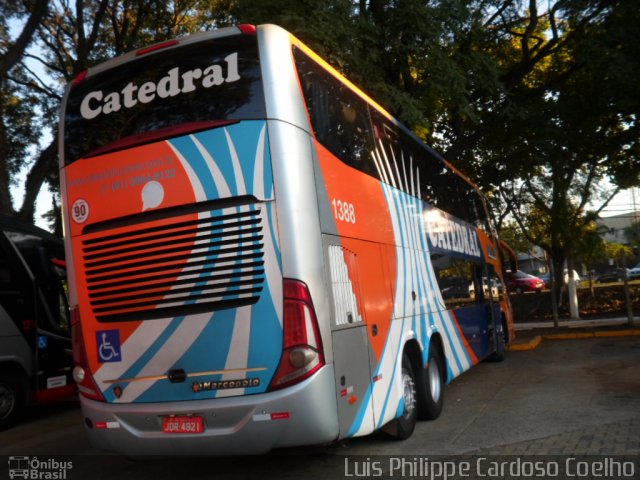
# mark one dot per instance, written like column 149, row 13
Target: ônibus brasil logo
column 36, row 469
column 173, row 83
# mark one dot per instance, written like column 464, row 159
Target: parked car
column 634, row 273
column 614, row 275
column 520, row 281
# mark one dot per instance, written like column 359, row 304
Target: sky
column 44, row 202
column 626, row 202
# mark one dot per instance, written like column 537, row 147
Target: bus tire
column 431, row 392
column 402, row 427
column 501, row 347
column 502, row 339
column 13, row 398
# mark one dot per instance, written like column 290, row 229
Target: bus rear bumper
column 304, row 414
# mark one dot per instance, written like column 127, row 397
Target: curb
column 530, row 345
column 537, row 340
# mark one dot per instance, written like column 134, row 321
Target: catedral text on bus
column 260, row 255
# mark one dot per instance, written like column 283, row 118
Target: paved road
column 565, row 397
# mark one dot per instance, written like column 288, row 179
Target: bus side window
column 35, row 254
column 459, row 280
column 495, row 285
column 61, row 304
column 5, row 278
column 339, row 117
column 14, row 295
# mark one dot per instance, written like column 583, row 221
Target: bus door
column 54, row 353
column 495, row 292
column 352, row 355
column 462, row 283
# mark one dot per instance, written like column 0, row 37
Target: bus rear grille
column 184, row 266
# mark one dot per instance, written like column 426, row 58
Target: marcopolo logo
column 173, row 83
column 225, row 384
column 37, row 469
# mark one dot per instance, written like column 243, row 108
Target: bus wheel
column 402, row 427
column 432, row 387
column 13, row 398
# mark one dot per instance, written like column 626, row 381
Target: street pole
column 573, row 292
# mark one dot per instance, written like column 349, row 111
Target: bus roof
column 8, row 222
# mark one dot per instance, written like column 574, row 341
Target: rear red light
column 302, row 353
column 28, row 325
column 80, row 77
column 158, row 46
column 248, row 29
column 81, row 371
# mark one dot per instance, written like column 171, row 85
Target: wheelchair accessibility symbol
column 108, row 342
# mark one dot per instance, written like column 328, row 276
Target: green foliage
column 617, row 251
column 511, row 233
column 19, row 126
column 572, row 124
column 19, row 120
column 536, row 106
column 633, row 233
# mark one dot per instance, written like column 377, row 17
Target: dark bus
column 35, row 339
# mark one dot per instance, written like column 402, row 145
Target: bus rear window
column 196, row 84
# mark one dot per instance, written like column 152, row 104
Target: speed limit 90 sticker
column 80, row 211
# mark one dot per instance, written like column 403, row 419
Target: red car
column 523, row 282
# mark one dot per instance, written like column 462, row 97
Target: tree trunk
column 15, row 52
column 43, row 168
column 6, row 205
column 627, row 295
column 558, row 259
column 554, row 298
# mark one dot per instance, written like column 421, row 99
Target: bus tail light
column 302, row 353
column 157, row 46
column 81, row 371
column 80, row 77
column 248, row 29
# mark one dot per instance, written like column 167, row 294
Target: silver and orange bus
column 261, row 255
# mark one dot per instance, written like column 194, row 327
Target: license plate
column 183, row 424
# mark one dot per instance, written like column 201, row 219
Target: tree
column 511, row 233
column 18, row 118
column 513, row 94
column 70, row 39
column 632, row 233
column 577, row 129
column 12, row 52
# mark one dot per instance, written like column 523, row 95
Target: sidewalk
column 529, row 335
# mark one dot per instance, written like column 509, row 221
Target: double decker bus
column 261, row 255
